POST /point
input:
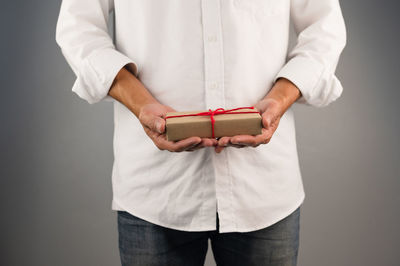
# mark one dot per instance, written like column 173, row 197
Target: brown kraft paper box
column 226, row 125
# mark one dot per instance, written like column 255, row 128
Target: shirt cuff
column 305, row 74
column 99, row 71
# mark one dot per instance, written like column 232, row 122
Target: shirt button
column 214, row 85
column 212, row 38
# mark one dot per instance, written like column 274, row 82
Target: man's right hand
column 152, row 118
column 128, row 90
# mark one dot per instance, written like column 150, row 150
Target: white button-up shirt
column 196, row 55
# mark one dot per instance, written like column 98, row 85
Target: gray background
column 56, row 150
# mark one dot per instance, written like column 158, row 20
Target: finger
column 243, row 140
column 205, row 142
column 152, row 134
column 183, row 144
column 218, row 149
column 197, row 146
column 239, row 146
column 208, row 142
column 155, row 123
column 266, row 119
column 163, row 144
column 194, row 147
column 269, row 118
column 263, row 138
column 224, row 141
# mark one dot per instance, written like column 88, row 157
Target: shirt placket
column 213, row 54
column 215, row 98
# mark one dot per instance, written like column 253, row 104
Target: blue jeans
column 145, row 244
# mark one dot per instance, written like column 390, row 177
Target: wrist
column 128, row 90
column 284, row 92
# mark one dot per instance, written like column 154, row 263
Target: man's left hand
column 270, row 111
column 272, row 107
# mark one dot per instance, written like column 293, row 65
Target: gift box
column 213, row 124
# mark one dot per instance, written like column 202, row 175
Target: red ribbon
column 218, row 111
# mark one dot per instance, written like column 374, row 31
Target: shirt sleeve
column 321, row 37
column 84, row 40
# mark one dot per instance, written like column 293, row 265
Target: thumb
column 267, row 119
column 153, row 122
column 158, row 125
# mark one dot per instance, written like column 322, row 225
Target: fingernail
column 158, row 127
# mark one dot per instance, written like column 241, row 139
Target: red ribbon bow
column 218, row 111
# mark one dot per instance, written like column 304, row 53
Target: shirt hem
column 117, row 206
column 262, row 226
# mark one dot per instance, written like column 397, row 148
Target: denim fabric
column 145, row 244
